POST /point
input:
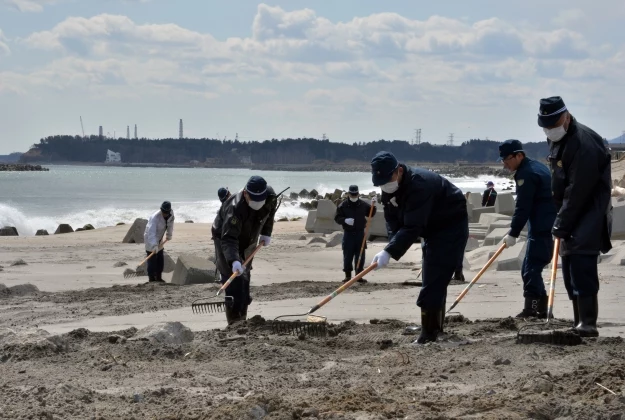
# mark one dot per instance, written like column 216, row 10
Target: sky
column 354, row 70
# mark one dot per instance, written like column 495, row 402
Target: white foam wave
column 199, row 212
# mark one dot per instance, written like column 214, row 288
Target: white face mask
column 256, row 205
column 353, row 199
column 390, row 187
column 555, row 134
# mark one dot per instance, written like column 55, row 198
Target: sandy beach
column 367, row 370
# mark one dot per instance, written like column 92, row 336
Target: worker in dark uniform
column 223, row 194
column 534, row 205
column 420, row 203
column 490, row 195
column 581, row 184
column 241, row 224
column 352, row 214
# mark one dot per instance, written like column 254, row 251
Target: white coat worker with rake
column 243, row 221
column 159, row 224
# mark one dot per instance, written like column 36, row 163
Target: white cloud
column 4, row 48
column 28, row 5
column 304, row 65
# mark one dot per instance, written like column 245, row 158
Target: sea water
column 104, row 196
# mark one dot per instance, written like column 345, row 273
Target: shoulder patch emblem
column 234, row 220
column 520, row 182
column 559, row 164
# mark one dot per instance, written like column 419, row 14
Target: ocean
column 105, row 196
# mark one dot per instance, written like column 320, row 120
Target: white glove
column 509, row 241
column 382, row 258
column 349, row 221
column 155, row 249
column 373, row 200
column 238, row 268
column 265, row 239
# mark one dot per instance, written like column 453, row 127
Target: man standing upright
column 490, row 195
column 159, row 224
column 534, row 205
column 420, row 203
column 242, row 222
column 352, row 214
column 581, row 184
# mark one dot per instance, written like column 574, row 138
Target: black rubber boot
column 442, row 321
column 458, row 275
column 362, row 280
column 348, row 276
column 543, row 307
column 151, row 278
column 575, row 313
column 530, row 309
column 231, row 315
column 588, row 308
column 430, row 325
column 159, row 278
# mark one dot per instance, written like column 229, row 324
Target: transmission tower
column 236, row 137
column 324, row 137
column 451, row 139
column 180, row 134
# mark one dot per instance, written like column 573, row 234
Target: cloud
column 4, row 48
column 383, row 59
column 28, row 5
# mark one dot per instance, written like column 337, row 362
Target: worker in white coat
column 160, row 223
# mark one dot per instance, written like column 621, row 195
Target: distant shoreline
column 464, row 169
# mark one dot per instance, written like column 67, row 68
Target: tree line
column 63, row 148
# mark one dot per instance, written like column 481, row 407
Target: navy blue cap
column 256, row 187
column 382, row 167
column 489, row 183
column 222, row 193
column 551, row 109
column 166, row 207
column 509, row 147
column 353, row 189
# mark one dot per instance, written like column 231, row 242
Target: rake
column 314, row 325
column 477, row 277
column 140, row 268
column 364, row 239
column 209, row 305
column 568, row 337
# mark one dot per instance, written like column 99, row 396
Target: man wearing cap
column 352, row 214
column 534, row 206
column 420, row 203
column 581, row 185
column 243, row 222
column 159, row 224
column 490, row 195
column 223, row 194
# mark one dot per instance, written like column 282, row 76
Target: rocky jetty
column 17, row 167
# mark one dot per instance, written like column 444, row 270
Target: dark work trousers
column 443, row 253
column 239, row 289
column 156, row 264
column 538, row 255
column 580, row 275
column 352, row 241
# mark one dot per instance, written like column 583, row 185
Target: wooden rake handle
column 554, row 271
column 342, row 288
column 153, row 253
column 236, row 273
column 364, row 240
column 477, row 277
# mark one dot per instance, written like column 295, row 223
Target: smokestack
column 181, row 133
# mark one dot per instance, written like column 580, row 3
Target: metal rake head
column 203, row 306
column 561, row 337
column 315, row 326
column 129, row 272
